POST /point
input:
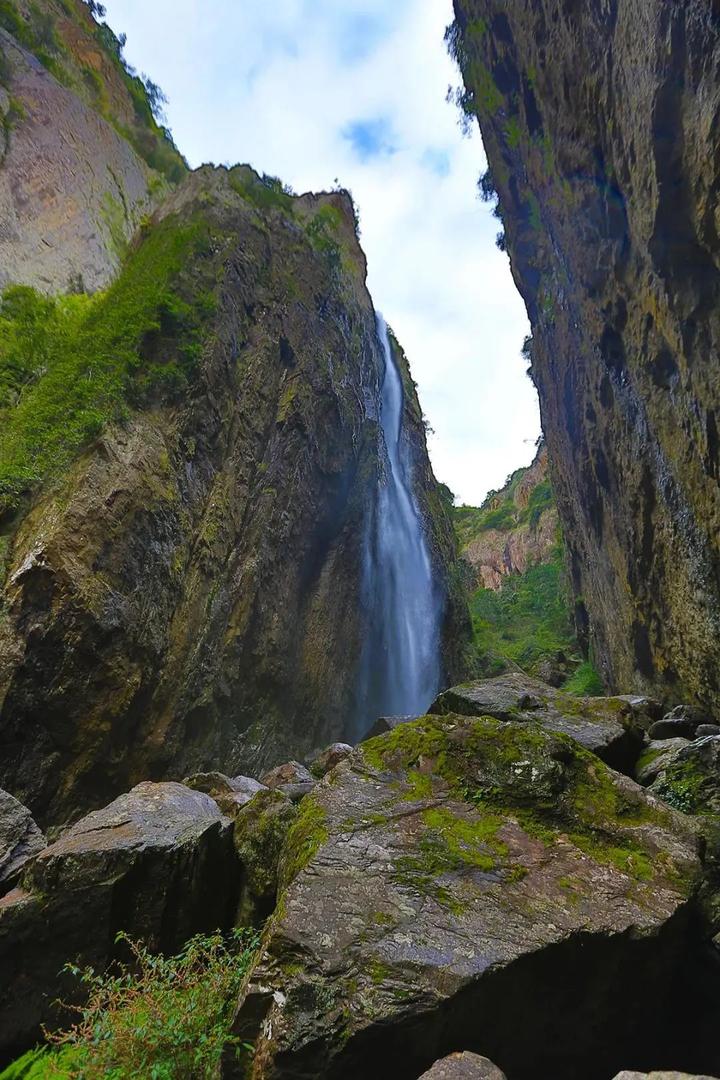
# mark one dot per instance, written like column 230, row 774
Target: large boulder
column 655, row 757
column 463, row 1066
column 661, row 1076
column 158, row 863
column 261, row 827
column 467, row 882
column 610, row 727
column 20, row 839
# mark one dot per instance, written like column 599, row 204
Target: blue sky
column 317, row 91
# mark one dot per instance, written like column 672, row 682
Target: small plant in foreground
column 160, row 1018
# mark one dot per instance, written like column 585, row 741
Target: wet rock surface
column 459, row 872
column 612, row 728
column 598, row 122
column 157, row 863
column 20, row 839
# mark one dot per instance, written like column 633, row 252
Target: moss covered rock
column 613, row 728
column 460, row 872
column 261, row 828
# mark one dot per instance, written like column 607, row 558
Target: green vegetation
column 70, row 365
column 526, row 620
column 37, row 33
column 585, row 681
column 163, row 1018
column 265, row 192
column 307, row 834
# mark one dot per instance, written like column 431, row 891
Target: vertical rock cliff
column 601, row 127
column 188, row 457
column 185, row 591
column 83, row 159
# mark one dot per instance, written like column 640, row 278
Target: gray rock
column 690, row 780
column 386, row 723
column 678, row 727
column 661, row 1076
column 464, row 1066
column 703, row 730
column 456, row 875
column 329, row 758
column 230, row 793
column 647, row 710
column 292, row 772
column 158, row 863
column 612, row 728
column 655, row 756
column 20, row 839
column 296, row 792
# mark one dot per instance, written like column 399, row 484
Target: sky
column 321, row 91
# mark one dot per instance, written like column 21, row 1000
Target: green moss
column 549, row 784
column 306, row 836
column 264, row 192
column 513, row 133
column 113, row 214
column 419, row 785
column 69, row 366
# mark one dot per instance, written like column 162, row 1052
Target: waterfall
column 400, row 666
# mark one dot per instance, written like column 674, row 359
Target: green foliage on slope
column 165, row 1018
column 70, row 365
column 526, row 620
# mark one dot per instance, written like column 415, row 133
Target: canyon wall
column 189, row 457
column 600, row 123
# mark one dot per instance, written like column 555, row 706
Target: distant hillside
column 520, row 603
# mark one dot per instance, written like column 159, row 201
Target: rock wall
column 74, row 186
column 528, row 535
column 187, row 593
column 601, row 127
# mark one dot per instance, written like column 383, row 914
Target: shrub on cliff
column 163, row 1018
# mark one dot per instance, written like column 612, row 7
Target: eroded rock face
column 599, row 122
column 456, row 874
column 612, row 728
column 20, row 839
column 157, row 863
column 73, row 191
column 187, row 598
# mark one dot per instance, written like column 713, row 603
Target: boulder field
column 419, row 894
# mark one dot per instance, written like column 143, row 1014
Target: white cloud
column 304, row 89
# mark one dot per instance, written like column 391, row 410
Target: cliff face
column 83, row 159
column 514, row 529
column 187, row 590
column 601, row 127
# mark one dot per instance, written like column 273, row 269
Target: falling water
column 400, row 668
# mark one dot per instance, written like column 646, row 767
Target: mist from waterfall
column 400, row 666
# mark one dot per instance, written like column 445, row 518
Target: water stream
column 400, row 667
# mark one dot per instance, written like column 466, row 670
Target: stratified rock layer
column 458, row 874
column 601, row 127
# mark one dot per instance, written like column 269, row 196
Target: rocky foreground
column 439, row 889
